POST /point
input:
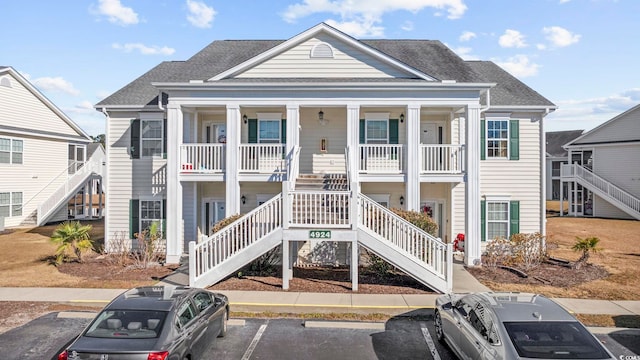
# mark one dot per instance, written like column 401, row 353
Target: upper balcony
column 209, row 160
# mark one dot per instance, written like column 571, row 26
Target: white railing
column 294, row 166
column 347, row 163
column 318, row 208
column 215, row 249
column 417, row 243
column 442, row 159
column 202, row 158
column 381, row 158
column 94, row 165
column 602, row 184
column 262, row 158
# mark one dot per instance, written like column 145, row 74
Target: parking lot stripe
column 254, row 343
column 333, row 306
column 429, row 340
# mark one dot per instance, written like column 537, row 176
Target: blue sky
column 580, row 54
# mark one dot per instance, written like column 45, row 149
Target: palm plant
column 71, row 237
column 586, row 246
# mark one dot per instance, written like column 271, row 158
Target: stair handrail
column 63, row 172
column 607, row 187
column 429, row 250
column 248, row 229
column 94, row 165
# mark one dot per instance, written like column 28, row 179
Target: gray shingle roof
column 555, row 140
column 427, row 56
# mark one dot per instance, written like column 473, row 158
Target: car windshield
column 554, row 340
column 127, row 324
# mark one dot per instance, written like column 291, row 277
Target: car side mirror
column 447, row 306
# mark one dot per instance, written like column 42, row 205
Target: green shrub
column 71, row 237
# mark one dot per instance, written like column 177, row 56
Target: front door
column 434, row 209
column 213, row 210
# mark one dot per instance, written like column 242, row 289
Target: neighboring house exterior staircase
column 328, row 206
column 618, row 197
column 94, row 167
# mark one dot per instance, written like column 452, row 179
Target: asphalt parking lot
column 409, row 336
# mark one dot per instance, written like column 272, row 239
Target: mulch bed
column 545, row 274
column 327, row 280
column 98, row 268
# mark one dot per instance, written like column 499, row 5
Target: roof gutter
column 488, row 102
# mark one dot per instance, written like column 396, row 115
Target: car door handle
column 477, row 343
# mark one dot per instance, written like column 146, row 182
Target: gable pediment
column 323, row 52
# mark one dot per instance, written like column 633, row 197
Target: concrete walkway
column 299, row 302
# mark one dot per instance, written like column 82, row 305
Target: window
column 497, row 220
column 203, row 300
column 186, row 313
column 10, row 204
column 377, row 132
column 151, row 135
column 269, row 131
column 497, row 138
column 150, row 212
column 11, row 151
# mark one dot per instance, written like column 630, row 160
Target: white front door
column 435, row 209
column 213, row 210
column 215, row 133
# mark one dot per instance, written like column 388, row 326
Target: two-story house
column 43, row 157
column 602, row 177
column 313, row 138
column 557, row 156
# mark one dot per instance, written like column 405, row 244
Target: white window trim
column 143, row 139
column 149, row 198
column 505, row 199
column 12, row 204
column 313, row 55
column 270, row 117
column 377, row 116
column 11, row 152
column 486, row 142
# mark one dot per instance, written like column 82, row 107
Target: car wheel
column 438, row 324
column 223, row 328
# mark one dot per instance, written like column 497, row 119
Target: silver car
column 512, row 326
column 153, row 323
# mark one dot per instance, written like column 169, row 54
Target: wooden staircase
column 324, row 182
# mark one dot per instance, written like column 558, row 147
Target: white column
column 232, row 184
column 293, row 130
column 412, row 196
column 354, row 265
column 353, row 139
column 472, row 244
column 286, row 264
column 174, row 187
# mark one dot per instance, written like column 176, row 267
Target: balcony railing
column 262, row 158
column 202, row 158
column 441, row 159
column 385, row 158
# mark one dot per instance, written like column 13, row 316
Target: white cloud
column 564, row 1
column 407, row 26
column 357, row 28
column 560, row 37
column 117, row 13
column 200, row 15
column 512, row 38
column 519, row 66
column 143, row 49
column 586, row 114
column 55, row 84
column 465, row 53
column 541, row 46
column 367, row 14
column 467, row 35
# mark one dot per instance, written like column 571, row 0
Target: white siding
column 21, row 108
column 346, row 63
column 394, row 190
column 603, row 208
column 251, row 189
column 312, row 133
column 44, row 169
column 519, row 179
column 619, row 165
column 625, row 127
column 128, row 178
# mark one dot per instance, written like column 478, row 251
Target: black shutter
column 164, row 138
column 134, row 148
column 253, row 131
column 134, row 218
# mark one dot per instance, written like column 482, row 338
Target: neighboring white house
column 557, row 155
column 603, row 177
column 313, row 138
column 43, row 155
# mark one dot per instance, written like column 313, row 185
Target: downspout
column 543, row 180
column 488, row 102
column 160, row 101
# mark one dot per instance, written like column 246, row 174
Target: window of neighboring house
column 10, row 204
column 11, row 151
column 151, row 137
column 269, row 131
column 377, row 132
column 150, row 212
column 497, row 138
column 498, row 220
